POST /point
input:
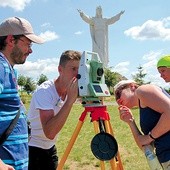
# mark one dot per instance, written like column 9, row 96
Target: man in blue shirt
column 16, row 37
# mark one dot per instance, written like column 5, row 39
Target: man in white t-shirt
column 50, row 106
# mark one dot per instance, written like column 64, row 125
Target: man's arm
column 4, row 166
column 52, row 124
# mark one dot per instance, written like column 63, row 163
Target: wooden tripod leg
column 116, row 163
column 70, row 145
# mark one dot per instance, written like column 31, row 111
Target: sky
column 139, row 38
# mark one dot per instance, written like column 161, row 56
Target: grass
column 81, row 157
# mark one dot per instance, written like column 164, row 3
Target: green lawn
column 81, row 157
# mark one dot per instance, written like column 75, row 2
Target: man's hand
column 4, row 166
column 72, row 90
column 125, row 114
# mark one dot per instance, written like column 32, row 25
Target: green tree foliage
column 22, row 81
column 41, row 79
column 139, row 76
column 27, row 83
column 112, row 78
column 30, row 85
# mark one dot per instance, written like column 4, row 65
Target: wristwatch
column 150, row 135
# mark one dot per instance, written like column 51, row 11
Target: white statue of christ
column 99, row 32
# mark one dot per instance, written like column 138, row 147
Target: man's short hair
column 69, row 55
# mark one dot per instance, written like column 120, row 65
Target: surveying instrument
column 92, row 89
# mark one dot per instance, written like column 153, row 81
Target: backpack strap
column 7, row 132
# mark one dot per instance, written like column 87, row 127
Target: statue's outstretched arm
column 85, row 17
column 114, row 18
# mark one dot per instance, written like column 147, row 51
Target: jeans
column 42, row 159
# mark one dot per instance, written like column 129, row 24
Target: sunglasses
column 119, row 90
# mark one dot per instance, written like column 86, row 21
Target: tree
column 22, row 81
column 41, row 79
column 30, row 85
column 139, row 76
column 111, row 78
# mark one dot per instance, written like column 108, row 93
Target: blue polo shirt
column 14, row 151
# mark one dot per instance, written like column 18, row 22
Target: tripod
column 103, row 145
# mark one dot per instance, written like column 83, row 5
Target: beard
column 17, row 56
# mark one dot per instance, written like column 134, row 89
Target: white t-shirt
column 167, row 94
column 45, row 97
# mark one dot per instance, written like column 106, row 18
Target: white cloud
column 17, row 5
column 151, row 30
column 46, row 25
column 152, row 55
column 149, row 67
column 151, row 59
column 49, row 36
column 157, row 80
column 48, row 67
column 121, row 68
column 78, row 33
